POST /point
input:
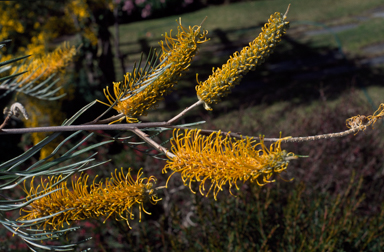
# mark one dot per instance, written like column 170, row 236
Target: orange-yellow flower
column 79, row 8
column 222, row 80
column 116, row 197
column 175, row 59
column 48, row 64
column 221, row 160
column 362, row 122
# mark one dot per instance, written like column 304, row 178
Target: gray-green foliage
column 12, row 177
column 29, row 231
column 12, row 83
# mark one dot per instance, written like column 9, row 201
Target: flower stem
column 174, row 119
column 155, row 145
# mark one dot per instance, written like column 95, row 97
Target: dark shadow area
column 133, row 12
column 9, row 143
column 159, row 9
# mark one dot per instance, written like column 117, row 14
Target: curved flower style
column 175, row 59
column 361, row 122
column 221, row 159
column 117, row 197
column 221, row 81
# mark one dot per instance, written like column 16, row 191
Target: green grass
column 245, row 14
column 352, row 41
column 240, row 17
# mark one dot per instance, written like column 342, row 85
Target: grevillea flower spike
column 223, row 79
column 177, row 54
column 49, row 64
column 220, row 160
column 116, row 197
column 361, row 122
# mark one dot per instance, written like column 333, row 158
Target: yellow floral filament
column 48, row 64
column 222, row 80
column 116, row 197
column 221, row 160
column 362, row 122
column 178, row 53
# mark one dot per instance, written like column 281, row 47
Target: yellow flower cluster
column 9, row 19
column 176, row 56
column 37, row 46
column 116, row 197
column 90, row 34
column 221, row 160
column 221, row 81
column 79, row 8
column 42, row 67
column 48, row 64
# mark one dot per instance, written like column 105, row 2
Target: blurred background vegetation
column 328, row 68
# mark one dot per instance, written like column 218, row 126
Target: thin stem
column 316, row 137
column 165, row 125
column 95, row 126
column 108, row 120
column 84, row 127
column 6, row 120
column 292, row 139
column 174, row 119
column 155, row 145
column 286, row 12
column 202, row 22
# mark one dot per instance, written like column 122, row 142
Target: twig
column 132, row 126
column 6, row 120
column 292, row 139
column 94, row 125
column 108, row 120
column 174, row 119
column 312, row 138
column 155, row 145
column 84, row 127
